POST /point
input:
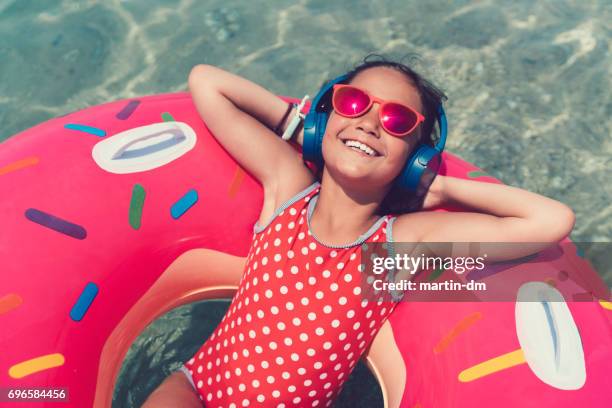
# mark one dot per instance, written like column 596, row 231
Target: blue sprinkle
column 86, row 129
column 184, row 203
column 84, row 301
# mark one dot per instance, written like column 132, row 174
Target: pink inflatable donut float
column 100, row 207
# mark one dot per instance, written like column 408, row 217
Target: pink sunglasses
column 396, row 118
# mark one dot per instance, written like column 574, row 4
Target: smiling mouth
column 359, row 147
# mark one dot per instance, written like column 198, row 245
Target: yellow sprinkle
column 35, row 365
column 493, row 365
column 606, row 305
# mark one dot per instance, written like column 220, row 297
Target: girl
column 298, row 322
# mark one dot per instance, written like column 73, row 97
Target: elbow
column 562, row 223
column 197, row 73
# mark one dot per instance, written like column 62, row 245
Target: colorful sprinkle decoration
column 127, row 110
column 55, row 223
column 36, row 364
column 87, row 129
column 136, row 204
column 184, row 203
column 84, row 302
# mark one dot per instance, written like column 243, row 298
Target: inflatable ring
column 102, row 206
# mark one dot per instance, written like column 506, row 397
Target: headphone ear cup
column 420, row 170
column 320, row 132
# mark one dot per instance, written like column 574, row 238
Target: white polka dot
column 333, row 254
column 312, row 280
column 319, row 260
column 296, row 400
column 261, row 398
column 319, row 294
column 333, row 357
column 229, row 391
column 268, row 293
column 278, row 227
column 310, row 352
column 290, row 254
column 312, row 246
column 301, row 371
column 340, row 265
column 356, row 325
column 200, row 384
column 250, row 368
column 291, row 225
column 356, row 290
column 327, row 309
column 333, row 287
column 319, row 331
column 281, row 326
column 274, row 310
column 265, row 364
column 273, row 345
column 245, row 353
column 342, row 336
column 304, row 301
column 342, row 300
column 279, row 360
column 301, row 235
column 348, row 277
column 245, row 402
column 277, row 257
column 317, row 365
column 303, row 337
column 285, row 374
column 270, row 379
column 289, row 305
column 312, row 393
column 264, row 260
column 295, row 357
column 293, row 211
column 258, row 349
column 276, row 393
column 337, row 366
column 305, row 251
column 296, row 321
column 312, row 316
column 252, row 334
column 294, row 270
column 266, row 277
column 279, row 273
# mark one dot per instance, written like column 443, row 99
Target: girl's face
column 353, row 168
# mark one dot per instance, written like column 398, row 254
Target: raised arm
column 241, row 115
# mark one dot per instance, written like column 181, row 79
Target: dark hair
column 398, row 200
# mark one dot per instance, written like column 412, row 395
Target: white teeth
column 365, row 148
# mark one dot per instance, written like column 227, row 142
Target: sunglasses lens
column 398, row 119
column 350, row 101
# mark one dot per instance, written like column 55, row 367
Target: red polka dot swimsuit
column 298, row 323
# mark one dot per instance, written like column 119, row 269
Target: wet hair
column 399, row 201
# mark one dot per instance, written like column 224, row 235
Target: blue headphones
column 421, row 167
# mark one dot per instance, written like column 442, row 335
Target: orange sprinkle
column 9, row 302
column 606, row 305
column 236, row 182
column 462, row 326
column 37, row 364
column 19, row 164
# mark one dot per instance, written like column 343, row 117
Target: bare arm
column 240, row 114
column 502, row 214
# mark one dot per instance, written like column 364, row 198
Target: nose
column 368, row 123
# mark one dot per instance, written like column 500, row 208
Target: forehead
column 389, row 84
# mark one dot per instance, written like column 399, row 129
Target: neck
column 341, row 214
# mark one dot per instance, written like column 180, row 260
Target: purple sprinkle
column 128, row 109
column 55, row 223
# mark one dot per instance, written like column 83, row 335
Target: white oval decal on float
column 144, row 148
column 549, row 337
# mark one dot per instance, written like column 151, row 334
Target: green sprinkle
column 167, row 117
column 435, row 274
column 477, row 173
column 136, row 204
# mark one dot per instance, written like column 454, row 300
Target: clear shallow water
column 529, row 88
